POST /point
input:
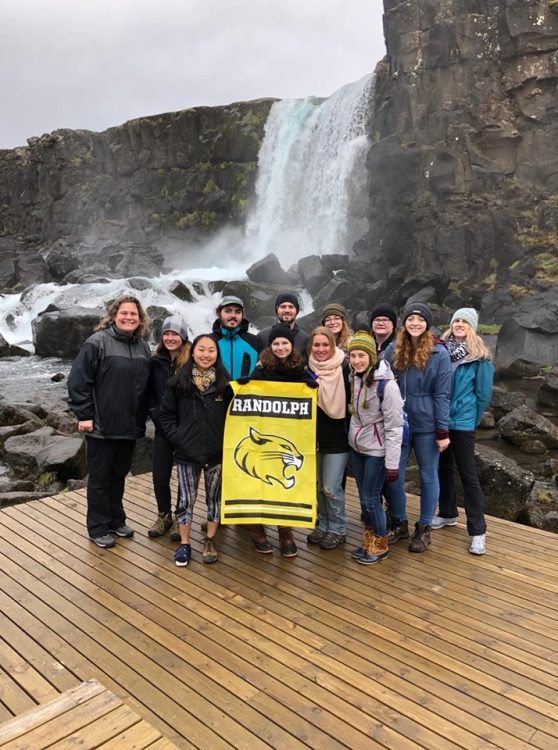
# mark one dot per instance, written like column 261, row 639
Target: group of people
column 382, row 393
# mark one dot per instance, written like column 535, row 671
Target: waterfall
column 312, row 175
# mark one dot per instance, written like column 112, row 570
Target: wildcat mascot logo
column 269, row 458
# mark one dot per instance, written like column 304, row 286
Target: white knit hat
column 468, row 314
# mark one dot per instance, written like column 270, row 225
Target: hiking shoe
column 209, row 554
column 124, row 531
column 162, row 524
column 262, row 545
column 438, row 522
column 287, row 544
column 105, row 541
column 316, row 536
column 332, row 540
column 183, row 555
column 175, row 531
column 478, row 544
column 399, row 530
column 420, row 539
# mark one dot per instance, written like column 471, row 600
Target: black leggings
column 163, row 455
column 461, row 450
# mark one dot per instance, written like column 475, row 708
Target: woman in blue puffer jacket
column 473, row 375
column 421, row 365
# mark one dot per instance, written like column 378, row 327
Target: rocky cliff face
column 464, row 166
column 172, row 176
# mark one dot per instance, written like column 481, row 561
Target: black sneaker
column 124, row 531
column 104, row 541
column 183, row 555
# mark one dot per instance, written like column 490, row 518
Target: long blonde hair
column 476, row 348
column 404, row 356
column 182, row 354
column 108, row 318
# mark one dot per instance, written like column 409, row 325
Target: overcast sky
column 96, row 63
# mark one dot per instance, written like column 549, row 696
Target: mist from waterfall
column 311, row 173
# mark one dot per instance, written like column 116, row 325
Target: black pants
column 163, row 455
column 461, row 450
column 109, row 461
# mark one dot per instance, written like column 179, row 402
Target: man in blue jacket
column 239, row 349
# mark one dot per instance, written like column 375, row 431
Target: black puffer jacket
column 108, row 384
column 194, row 422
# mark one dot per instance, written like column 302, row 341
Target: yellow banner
column 269, row 455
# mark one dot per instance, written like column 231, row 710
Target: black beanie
column 418, row 308
column 280, row 331
column 287, row 297
column 384, row 310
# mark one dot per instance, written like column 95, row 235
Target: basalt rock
column 547, row 395
column 61, row 333
column 504, row 401
column 268, row 270
column 11, row 350
column 505, row 484
column 530, row 431
column 43, row 452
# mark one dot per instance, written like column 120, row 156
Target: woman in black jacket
column 171, row 355
column 107, row 393
column 192, row 416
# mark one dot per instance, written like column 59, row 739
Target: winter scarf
column 331, row 394
column 457, row 349
column 203, row 380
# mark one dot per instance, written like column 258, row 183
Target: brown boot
column 365, row 542
column 287, row 542
column 162, row 524
column 377, row 549
column 420, row 539
column 399, row 530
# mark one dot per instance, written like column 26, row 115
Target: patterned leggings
column 189, row 479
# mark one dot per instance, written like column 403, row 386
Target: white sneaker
column 478, row 544
column 438, row 522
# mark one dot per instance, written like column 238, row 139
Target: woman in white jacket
column 375, row 435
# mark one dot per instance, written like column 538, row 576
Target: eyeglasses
column 382, row 320
column 333, row 319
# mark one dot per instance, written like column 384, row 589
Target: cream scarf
column 332, row 397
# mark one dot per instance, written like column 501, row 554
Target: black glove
column 311, row 383
column 243, row 380
column 392, row 475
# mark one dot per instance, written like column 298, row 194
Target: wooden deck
column 439, row 650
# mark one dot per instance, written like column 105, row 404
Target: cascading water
column 312, row 167
column 311, row 187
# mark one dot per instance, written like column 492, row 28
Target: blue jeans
column 331, row 495
column 370, row 475
column 427, row 455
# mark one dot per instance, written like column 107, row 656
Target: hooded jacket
column 239, row 349
column 426, row 391
column 470, row 393
column 108, row 384
column 378, row 429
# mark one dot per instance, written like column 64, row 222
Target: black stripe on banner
column 271, row 503
column 276, row 516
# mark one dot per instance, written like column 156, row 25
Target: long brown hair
column 108, row 318
column 269, row 362
column 404, row 356
column 182, row 354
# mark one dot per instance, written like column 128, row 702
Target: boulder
column 61, row 261
column 314, row 275
column 268, row 270
column 528, row 430
column 541, row 509
column 518, row 343
column 335, row 261
column 487, row 421
column 43, row 451
column 61, row 333
column 181, row 291
column 12, row 497
column 504, row 401
column 547, row 395
column 338, row 290
column 11, row 350
column 505, row 484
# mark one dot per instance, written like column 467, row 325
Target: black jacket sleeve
column 169, row 413
column 81, row 382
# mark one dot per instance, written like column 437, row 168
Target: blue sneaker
column 183, row 555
